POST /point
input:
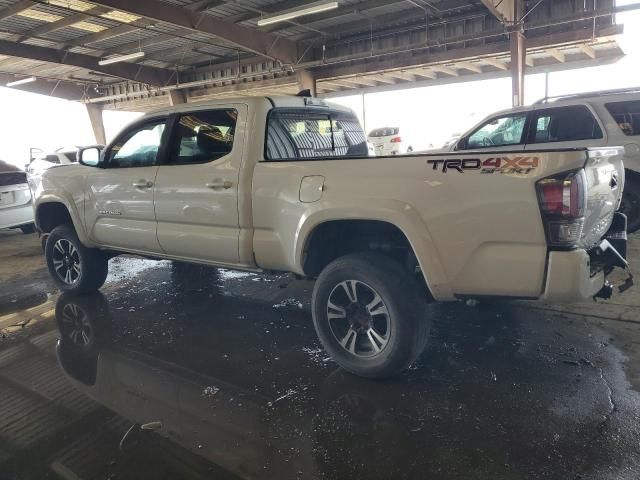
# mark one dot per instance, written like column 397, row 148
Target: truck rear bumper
column 569, row 277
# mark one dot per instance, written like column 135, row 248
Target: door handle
column 219, row 183
column 143, row 184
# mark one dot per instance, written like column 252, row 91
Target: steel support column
column 95, row 117
column 307, row 81
column 518, row 66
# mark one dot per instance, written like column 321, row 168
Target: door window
column 565, row 124
column 626, row 115
column 498, row 132
column 203, row 136
column 138, row 147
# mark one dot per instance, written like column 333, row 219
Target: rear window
column 565, row 124
column 626, row 115
column 313, row 133
column 384, row 132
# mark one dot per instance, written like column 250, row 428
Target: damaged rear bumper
column 580, row 275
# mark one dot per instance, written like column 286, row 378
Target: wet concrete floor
column 187, row 372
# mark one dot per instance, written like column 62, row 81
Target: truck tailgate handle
column 218, row 183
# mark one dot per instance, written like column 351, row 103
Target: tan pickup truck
column 286, row 184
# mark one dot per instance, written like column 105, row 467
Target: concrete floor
column 224, row 372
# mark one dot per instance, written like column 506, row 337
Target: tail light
column 563, row 200
column 396, row 140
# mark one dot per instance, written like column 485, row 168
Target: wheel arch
column 407, row 228
column 52, row 211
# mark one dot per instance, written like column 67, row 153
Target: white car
column 59, row 157
column 16, row 208
column 597, row 119
column 387, row 141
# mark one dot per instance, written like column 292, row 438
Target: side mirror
column 90, row 156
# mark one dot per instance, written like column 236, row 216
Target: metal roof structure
column 199, row 49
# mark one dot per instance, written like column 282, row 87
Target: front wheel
column 369, row 315
column 630, row 205
column 74, row 267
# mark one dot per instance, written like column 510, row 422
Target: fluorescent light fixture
column 22, row 81
column 316, row 7
column 121, row 58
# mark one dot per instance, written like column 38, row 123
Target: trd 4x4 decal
column 505, row 165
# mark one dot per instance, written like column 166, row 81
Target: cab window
column 302, row 134
column 498, row 132
column 137, row 148
column 626, row 115
column 564, row 124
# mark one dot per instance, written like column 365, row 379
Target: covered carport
column 137, row 56
column 183, row 371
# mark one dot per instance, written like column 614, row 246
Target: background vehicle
column 16, row 208
column 286, row 184
column 387, row 141
column 40, row 163
column 592, row 119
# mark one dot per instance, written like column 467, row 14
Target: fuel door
column 311, row 188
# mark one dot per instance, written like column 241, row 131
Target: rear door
column 197, row 188
column 573, row 126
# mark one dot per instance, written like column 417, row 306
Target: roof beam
column 360, row 8
column 507, row 11
column 557, row 54
column 472, row 67
column 495, row 62
column 16, row 8
column 261, row 43
column 62, row 89
column 128, row 71
column 446, row 70
column 125, row 28
column 588, row 50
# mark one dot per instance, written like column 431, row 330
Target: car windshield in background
column 384, row 132
column 626, row 115
column 313, row 133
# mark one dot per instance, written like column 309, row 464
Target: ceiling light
column 309, row 9
column 22, row 81
column 121, row 58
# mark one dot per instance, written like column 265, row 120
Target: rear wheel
column 630, row 205
column 369, row 315
column 75, row 268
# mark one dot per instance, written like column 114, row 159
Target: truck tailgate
column 605, row 183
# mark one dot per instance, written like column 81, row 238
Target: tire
column 84, row 322
column 377, row 345
column 74, row 268
column 28, row 229
column 631, row 203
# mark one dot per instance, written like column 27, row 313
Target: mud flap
column 611, row 254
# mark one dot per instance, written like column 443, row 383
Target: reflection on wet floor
column 220, row 375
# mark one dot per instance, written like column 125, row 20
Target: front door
column 197, row 186
column 119, row 208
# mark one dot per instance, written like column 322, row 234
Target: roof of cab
column 286, row 101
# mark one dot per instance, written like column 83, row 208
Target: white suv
column 607, row 118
